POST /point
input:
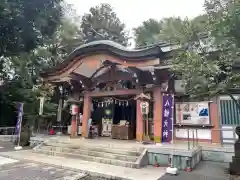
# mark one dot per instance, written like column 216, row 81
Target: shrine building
column 113, row 85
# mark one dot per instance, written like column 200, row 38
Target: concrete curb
column 73, row 169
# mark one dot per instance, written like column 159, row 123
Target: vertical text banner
column 167, row 117
column 19, row 119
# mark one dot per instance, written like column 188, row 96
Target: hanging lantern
column 102, row 104
column 115, row 101
column 74, row 109
column 127, row 103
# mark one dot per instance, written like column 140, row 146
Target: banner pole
column 20, row 114
column 172, row 169
column 172, row 130
column 19, row 133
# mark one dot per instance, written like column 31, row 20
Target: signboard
column 167, row 117
column 144, row 107
column 192, row 113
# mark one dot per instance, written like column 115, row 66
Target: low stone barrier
column 8, row 138
column 221, row 154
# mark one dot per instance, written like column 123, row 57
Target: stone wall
column 222, row 154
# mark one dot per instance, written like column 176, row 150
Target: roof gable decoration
column 108, row 47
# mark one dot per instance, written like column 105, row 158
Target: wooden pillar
column 139, row 125
column 157, row 114
column 86, row 114
column 216, row 133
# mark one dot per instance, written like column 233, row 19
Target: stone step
column 121, row 151
column 90, row 158
column 129, row 147
column 93, row 153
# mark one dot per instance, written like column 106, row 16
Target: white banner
column 41, row 105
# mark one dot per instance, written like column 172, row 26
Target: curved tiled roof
column 108, row 47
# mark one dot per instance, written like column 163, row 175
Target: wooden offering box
column 122, row 132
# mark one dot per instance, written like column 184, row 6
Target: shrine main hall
column 108, row 83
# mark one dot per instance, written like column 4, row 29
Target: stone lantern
column 144, row 105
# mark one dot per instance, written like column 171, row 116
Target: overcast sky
column 133, row 12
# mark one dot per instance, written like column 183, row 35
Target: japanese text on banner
column 167, row 118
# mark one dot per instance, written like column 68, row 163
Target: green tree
column 169, row 29
column 148, row 32
column 64, row 40
column 102, row 23
column 208, row 64
column 25, row 26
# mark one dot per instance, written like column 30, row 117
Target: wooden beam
column 115, row 93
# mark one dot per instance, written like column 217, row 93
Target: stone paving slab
column 33, row 171
column 97, row 169
column 204, row 171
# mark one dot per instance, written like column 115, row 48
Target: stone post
column 234, row 166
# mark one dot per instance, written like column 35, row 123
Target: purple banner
column 19, row 119
column 167, row 117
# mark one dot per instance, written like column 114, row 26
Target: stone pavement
column 20, row 170
column 8, row 146
column 109, row 171
column 204, row 171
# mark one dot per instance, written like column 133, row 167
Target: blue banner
column 19, row 119
column 167, row 117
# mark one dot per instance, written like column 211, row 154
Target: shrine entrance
column 105, row 78
column 114, row 117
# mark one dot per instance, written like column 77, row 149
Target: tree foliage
column 35, row 35
column 102, row 23
column 209, row 65
column 24, row 27
column 25, row 24
column 170, row 29
column 148, row 32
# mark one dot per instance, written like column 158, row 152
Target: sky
column 134, row 12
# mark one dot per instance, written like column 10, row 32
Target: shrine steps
column 100, row 154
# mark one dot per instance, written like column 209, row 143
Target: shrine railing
column 204, row 137
column 7, row 130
